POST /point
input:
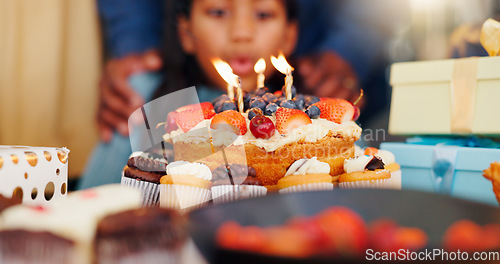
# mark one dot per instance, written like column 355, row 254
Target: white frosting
column 358, row 151
column 75, row 217
column 386, row 156
column 184, row 167
column 308, row 133
column 356, row 163
column 308, row 166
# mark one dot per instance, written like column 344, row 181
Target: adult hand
column 117, row 99
column 329, row 75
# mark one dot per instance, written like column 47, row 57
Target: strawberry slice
column 189, row 116
column 288, row 119
column 206, row 107
column 230, row 119
column 336, row 110
column 371, row 151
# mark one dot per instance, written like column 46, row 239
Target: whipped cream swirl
column 184, row 167
column 308, row 166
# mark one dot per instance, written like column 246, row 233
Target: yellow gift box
column 443, row 97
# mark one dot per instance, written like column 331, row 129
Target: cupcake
column 143, row 172
column 306, row 175
column 234, row 182
column 186, row 185
column 364, row 172
column 493, row 174
column 62, row 231
column 143, row 235
column 389, row 164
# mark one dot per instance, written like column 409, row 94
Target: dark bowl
column 432, row 213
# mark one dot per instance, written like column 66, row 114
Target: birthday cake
column 270, row 134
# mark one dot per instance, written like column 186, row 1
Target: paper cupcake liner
column 319, row 186
column 376, row 184
column 176, row 196
column 229, row 193
column 150, row 191
column 396, row 180
column 117, row 253
column 33, row 250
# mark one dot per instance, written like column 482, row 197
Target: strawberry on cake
column 272, row 134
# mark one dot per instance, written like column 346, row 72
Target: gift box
column 448, row 167
column 36, row 175
column 446, row 97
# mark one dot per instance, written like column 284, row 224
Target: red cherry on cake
column 171, row 125
column 357, row 113
column 262, row 127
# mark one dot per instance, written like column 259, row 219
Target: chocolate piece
column 375, row 164
column 133, row 173
column 142, row 230
column 235, row 174
column 152, row 163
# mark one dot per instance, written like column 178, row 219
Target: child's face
column 238, row 32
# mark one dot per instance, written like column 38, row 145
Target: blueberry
column 299, row 103
column 220, row 99
column 279, row 100
column 310, row 99
column 288, row 104
column 269, row 97
column 259, row 103
column 254, row 112
column 299, row 97
column 293, row 90
column 271, row 109
column 313, row 112
column 228, row 105
column 246, row 100
column 261, row 91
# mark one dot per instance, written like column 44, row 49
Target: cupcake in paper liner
column 144, row 235
column 235, row 181
column 365, row 172
column 389, row 164
column 63, row 231
column 143, row 172
column 306, row 175
column 186, row 185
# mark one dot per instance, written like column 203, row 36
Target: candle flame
column 260, row 66
column 281, row 64
column 225, row 71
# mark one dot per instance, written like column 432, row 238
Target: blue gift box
column 446, row 166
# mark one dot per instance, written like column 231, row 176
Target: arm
column 132, row 30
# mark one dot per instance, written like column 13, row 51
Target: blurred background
column 52, row 56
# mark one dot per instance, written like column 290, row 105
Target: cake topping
column 308, row 166
column 386, row 156
column 375, row 164
column 184, row 167
column 234, row 174
column 362, row 163
column 336, row 110
column 289, row 119
column 151, row 162
column 262, row 127
column 230, row 120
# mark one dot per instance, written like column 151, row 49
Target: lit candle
column 225, row 72
column 259, row 68
column 282, row 66
column 233, row 80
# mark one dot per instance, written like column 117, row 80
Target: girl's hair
column 180, row 69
